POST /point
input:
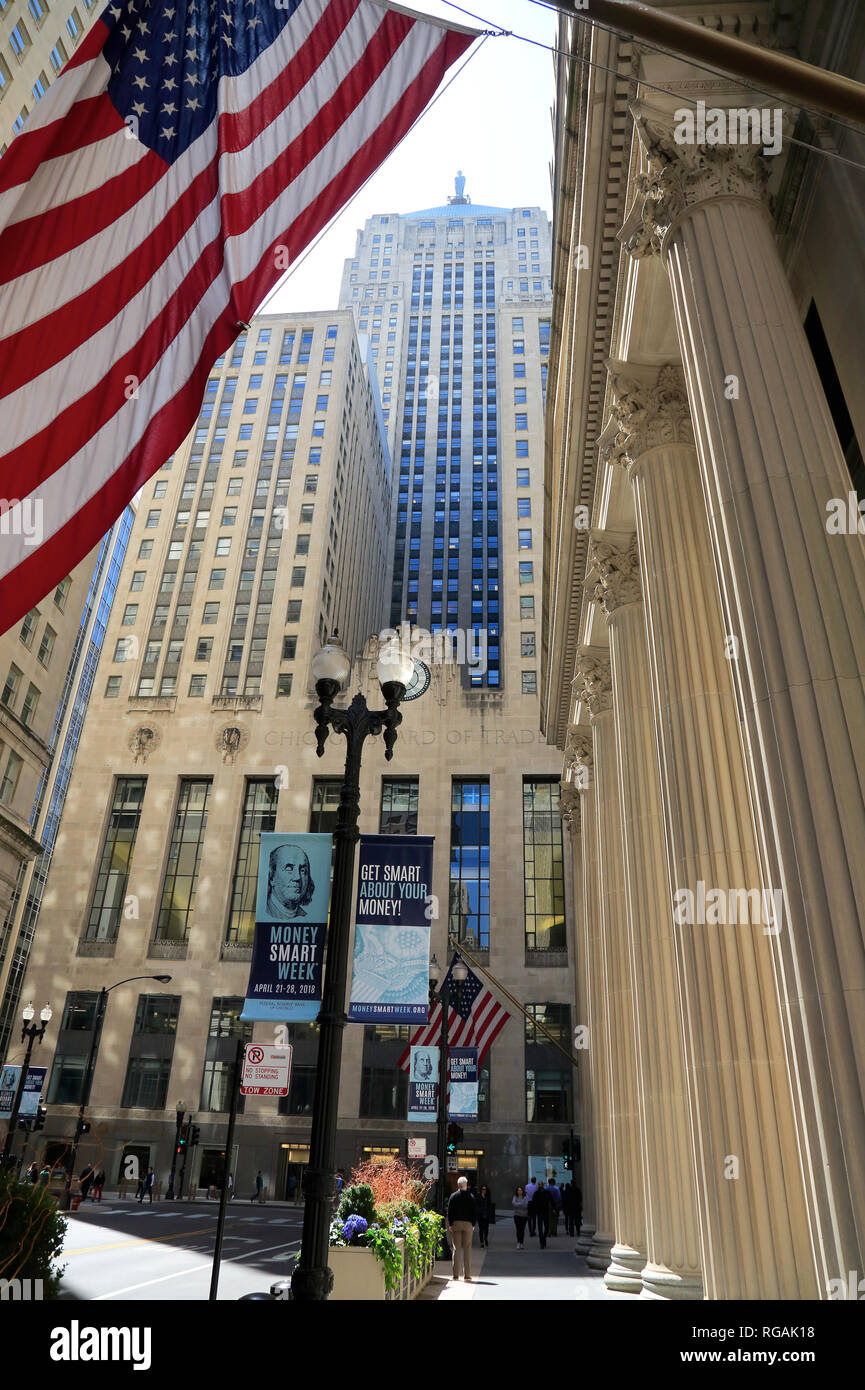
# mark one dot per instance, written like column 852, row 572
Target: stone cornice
column 593, row 682
column 613, row 572
column 17, row 839
column 680, row 176
column 649, row 409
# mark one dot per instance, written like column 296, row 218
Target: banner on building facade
column 463, row 1083
column 290, row 924
column 390, row 976
column 423, row 1084
column 33, row 1088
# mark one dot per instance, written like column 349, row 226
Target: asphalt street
column 123, row 1250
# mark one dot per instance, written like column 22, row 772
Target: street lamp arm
column 357, row 722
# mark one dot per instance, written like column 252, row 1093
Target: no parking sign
column 266, row 1070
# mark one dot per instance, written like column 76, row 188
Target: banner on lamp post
column 463, row 1083
column 290, row 925
column 423, row 1084
column 33, row 1088
column 390, row 973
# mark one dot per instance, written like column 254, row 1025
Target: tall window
column 399, row 797
column 325, row 804
column 383, row 1084
column 73, row 1044
column 469, row 907
column 150, row 1052
column 106, row 907
column 225, row 1029
column 181, row 876
column 259, row 816
column 543, row 861
column 548, row 1075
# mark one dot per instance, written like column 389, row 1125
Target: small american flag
column 185, row 156
column 477, row 1023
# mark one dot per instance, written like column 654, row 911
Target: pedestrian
column 555, row 1195
column 147, row 1185
column 44, row 1175
column 258, row 1194
column 520, row 1204
column 578, row 1208
column 98, row 1184
column 568, row 1208
column 484, row 1208
column 540, row 1204
column 462, row 1217
column 292, row 1186
column 230, row 1187
column 85, row 1181
column 531, row 1189
column 33, row 1173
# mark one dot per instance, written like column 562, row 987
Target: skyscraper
column 456, row 299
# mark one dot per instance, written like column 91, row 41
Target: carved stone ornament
column 230, row 741
column 649, row 410
column 680, row 176
column 142, row 742
column 569, row 806
column 593, row 683
column 579, row 758
column 613, row 573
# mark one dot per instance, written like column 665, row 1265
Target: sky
column 493, row 122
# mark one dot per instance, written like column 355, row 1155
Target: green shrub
column 358, row 1201
column 31, row 1234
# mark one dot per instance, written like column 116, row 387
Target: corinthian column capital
column 682, row 173
column 569, row 805
column 613, row 572
column 593, row 682
column 649, row 408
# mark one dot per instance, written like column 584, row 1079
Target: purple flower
column 354, row 1227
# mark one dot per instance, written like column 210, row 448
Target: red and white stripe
column 121, row 274
column 480, row 1029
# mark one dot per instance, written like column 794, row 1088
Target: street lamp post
column 87, row 1078
column 312, row 1279
column 33, row 1032
column 458, row 973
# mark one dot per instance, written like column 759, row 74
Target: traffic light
column 567, row 1161
column 40, row 1117
column 455, row 1134
column 194, row 1136
column 83, row 1127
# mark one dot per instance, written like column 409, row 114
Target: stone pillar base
column 625, row 1269
column 659, row 1282
column 599, row 1251
column 585, row 1235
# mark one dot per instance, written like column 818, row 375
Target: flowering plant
column 354, row 1228
column 381, row 1207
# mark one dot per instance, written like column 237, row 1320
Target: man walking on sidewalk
column 462, row 1216
column 531, row 1189
column 541, row 1204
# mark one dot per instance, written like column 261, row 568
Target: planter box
column 359, row 1278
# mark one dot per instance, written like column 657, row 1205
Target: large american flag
column 476, row 1023
column 186, row 155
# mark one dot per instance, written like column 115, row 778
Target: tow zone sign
column 266, row 1070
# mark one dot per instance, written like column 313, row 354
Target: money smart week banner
column 423, row 1084
column 463, row 1083
column 390, row 976
column 290, row 924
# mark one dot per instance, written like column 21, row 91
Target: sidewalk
column 504, row 1273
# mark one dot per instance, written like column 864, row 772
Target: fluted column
column 575, row 773
column 672, row 1269
column 752, row 1194
column 569, row 802
column 628, row 1253
column 792, row 586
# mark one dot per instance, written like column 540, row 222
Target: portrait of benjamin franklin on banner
column 290, row 885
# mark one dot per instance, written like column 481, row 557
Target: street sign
column 266, row 1070
column 452, row 1163
column 417, row 1148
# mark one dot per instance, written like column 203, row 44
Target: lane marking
column 140, row 1240
column 195, row 1269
